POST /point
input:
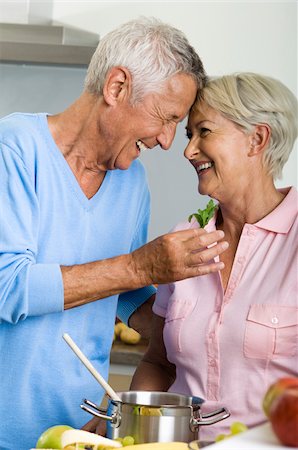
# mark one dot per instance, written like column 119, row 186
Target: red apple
column 280, row 404
column 284, row 416
column 275, row 390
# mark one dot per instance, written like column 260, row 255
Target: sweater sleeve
column 130, row 301
column 27, row 288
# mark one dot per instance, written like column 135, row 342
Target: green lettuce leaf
column 204, row 215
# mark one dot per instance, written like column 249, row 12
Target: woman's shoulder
column 186, row 225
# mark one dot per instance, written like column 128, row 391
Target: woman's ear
column 117, row 85
column 259, row 139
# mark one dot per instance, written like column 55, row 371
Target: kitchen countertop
column 258, row 438
column 128, row 354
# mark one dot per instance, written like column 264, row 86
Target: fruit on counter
column 222, row 436
column 235, row 428
column 51, row 438
column 126, row 334
column 284, row 417
column 159, row 446
column 127, row 440
column 238, row 427
column 67, row 438
column 275, row 390
column 151, row 446
column 130, row 336
column 81, row 438
column 119, row 327
column 280, row 404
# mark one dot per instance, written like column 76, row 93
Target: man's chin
column 123, row 165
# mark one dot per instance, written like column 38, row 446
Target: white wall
column 258, row 36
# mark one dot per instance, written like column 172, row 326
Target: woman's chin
column 202, row 190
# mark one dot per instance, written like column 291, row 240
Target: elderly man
column 73, row 234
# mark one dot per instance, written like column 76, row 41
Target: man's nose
column 166, row 137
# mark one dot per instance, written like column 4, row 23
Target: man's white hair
column 151, row 50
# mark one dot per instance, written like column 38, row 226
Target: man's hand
column 179, row 255
column 172, row 257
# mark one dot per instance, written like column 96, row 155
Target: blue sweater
column 47, row 221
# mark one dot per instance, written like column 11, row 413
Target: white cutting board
column 258, row 438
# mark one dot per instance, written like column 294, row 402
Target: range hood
column 46, row 44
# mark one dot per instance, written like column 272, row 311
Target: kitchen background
column 231, row 36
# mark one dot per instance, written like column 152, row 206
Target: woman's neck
column 249, row 207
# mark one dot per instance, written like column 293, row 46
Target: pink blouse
column 229, row 347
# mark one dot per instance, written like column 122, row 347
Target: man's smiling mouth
column 141, row 146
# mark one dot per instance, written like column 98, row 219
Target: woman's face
column 218, row 150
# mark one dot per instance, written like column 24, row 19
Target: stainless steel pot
column 155, row 416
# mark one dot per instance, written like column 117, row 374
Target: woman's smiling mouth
column 202, row 166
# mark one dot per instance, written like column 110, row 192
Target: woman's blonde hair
column 249, row 99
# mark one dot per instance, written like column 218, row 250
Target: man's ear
column 259, row 139
column 117, row 85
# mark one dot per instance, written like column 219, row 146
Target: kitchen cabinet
column 124, row 361
column 126, row 354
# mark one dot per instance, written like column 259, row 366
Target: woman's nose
column 191, row 151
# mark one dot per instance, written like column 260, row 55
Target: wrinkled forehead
column 176, row 95
column 200, row 110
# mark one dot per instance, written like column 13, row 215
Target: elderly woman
column 228, row 335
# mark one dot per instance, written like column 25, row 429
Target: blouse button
column 274, row 320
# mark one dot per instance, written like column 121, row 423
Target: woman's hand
column 96, row 425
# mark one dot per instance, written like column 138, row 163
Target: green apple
column 51, row 438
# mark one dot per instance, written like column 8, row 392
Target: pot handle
column 98, row 412
column 217, row 415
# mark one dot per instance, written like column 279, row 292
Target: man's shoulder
column 20, row 131
column 17, row 126
column 17, row 119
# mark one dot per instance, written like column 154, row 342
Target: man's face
column 151, row 122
